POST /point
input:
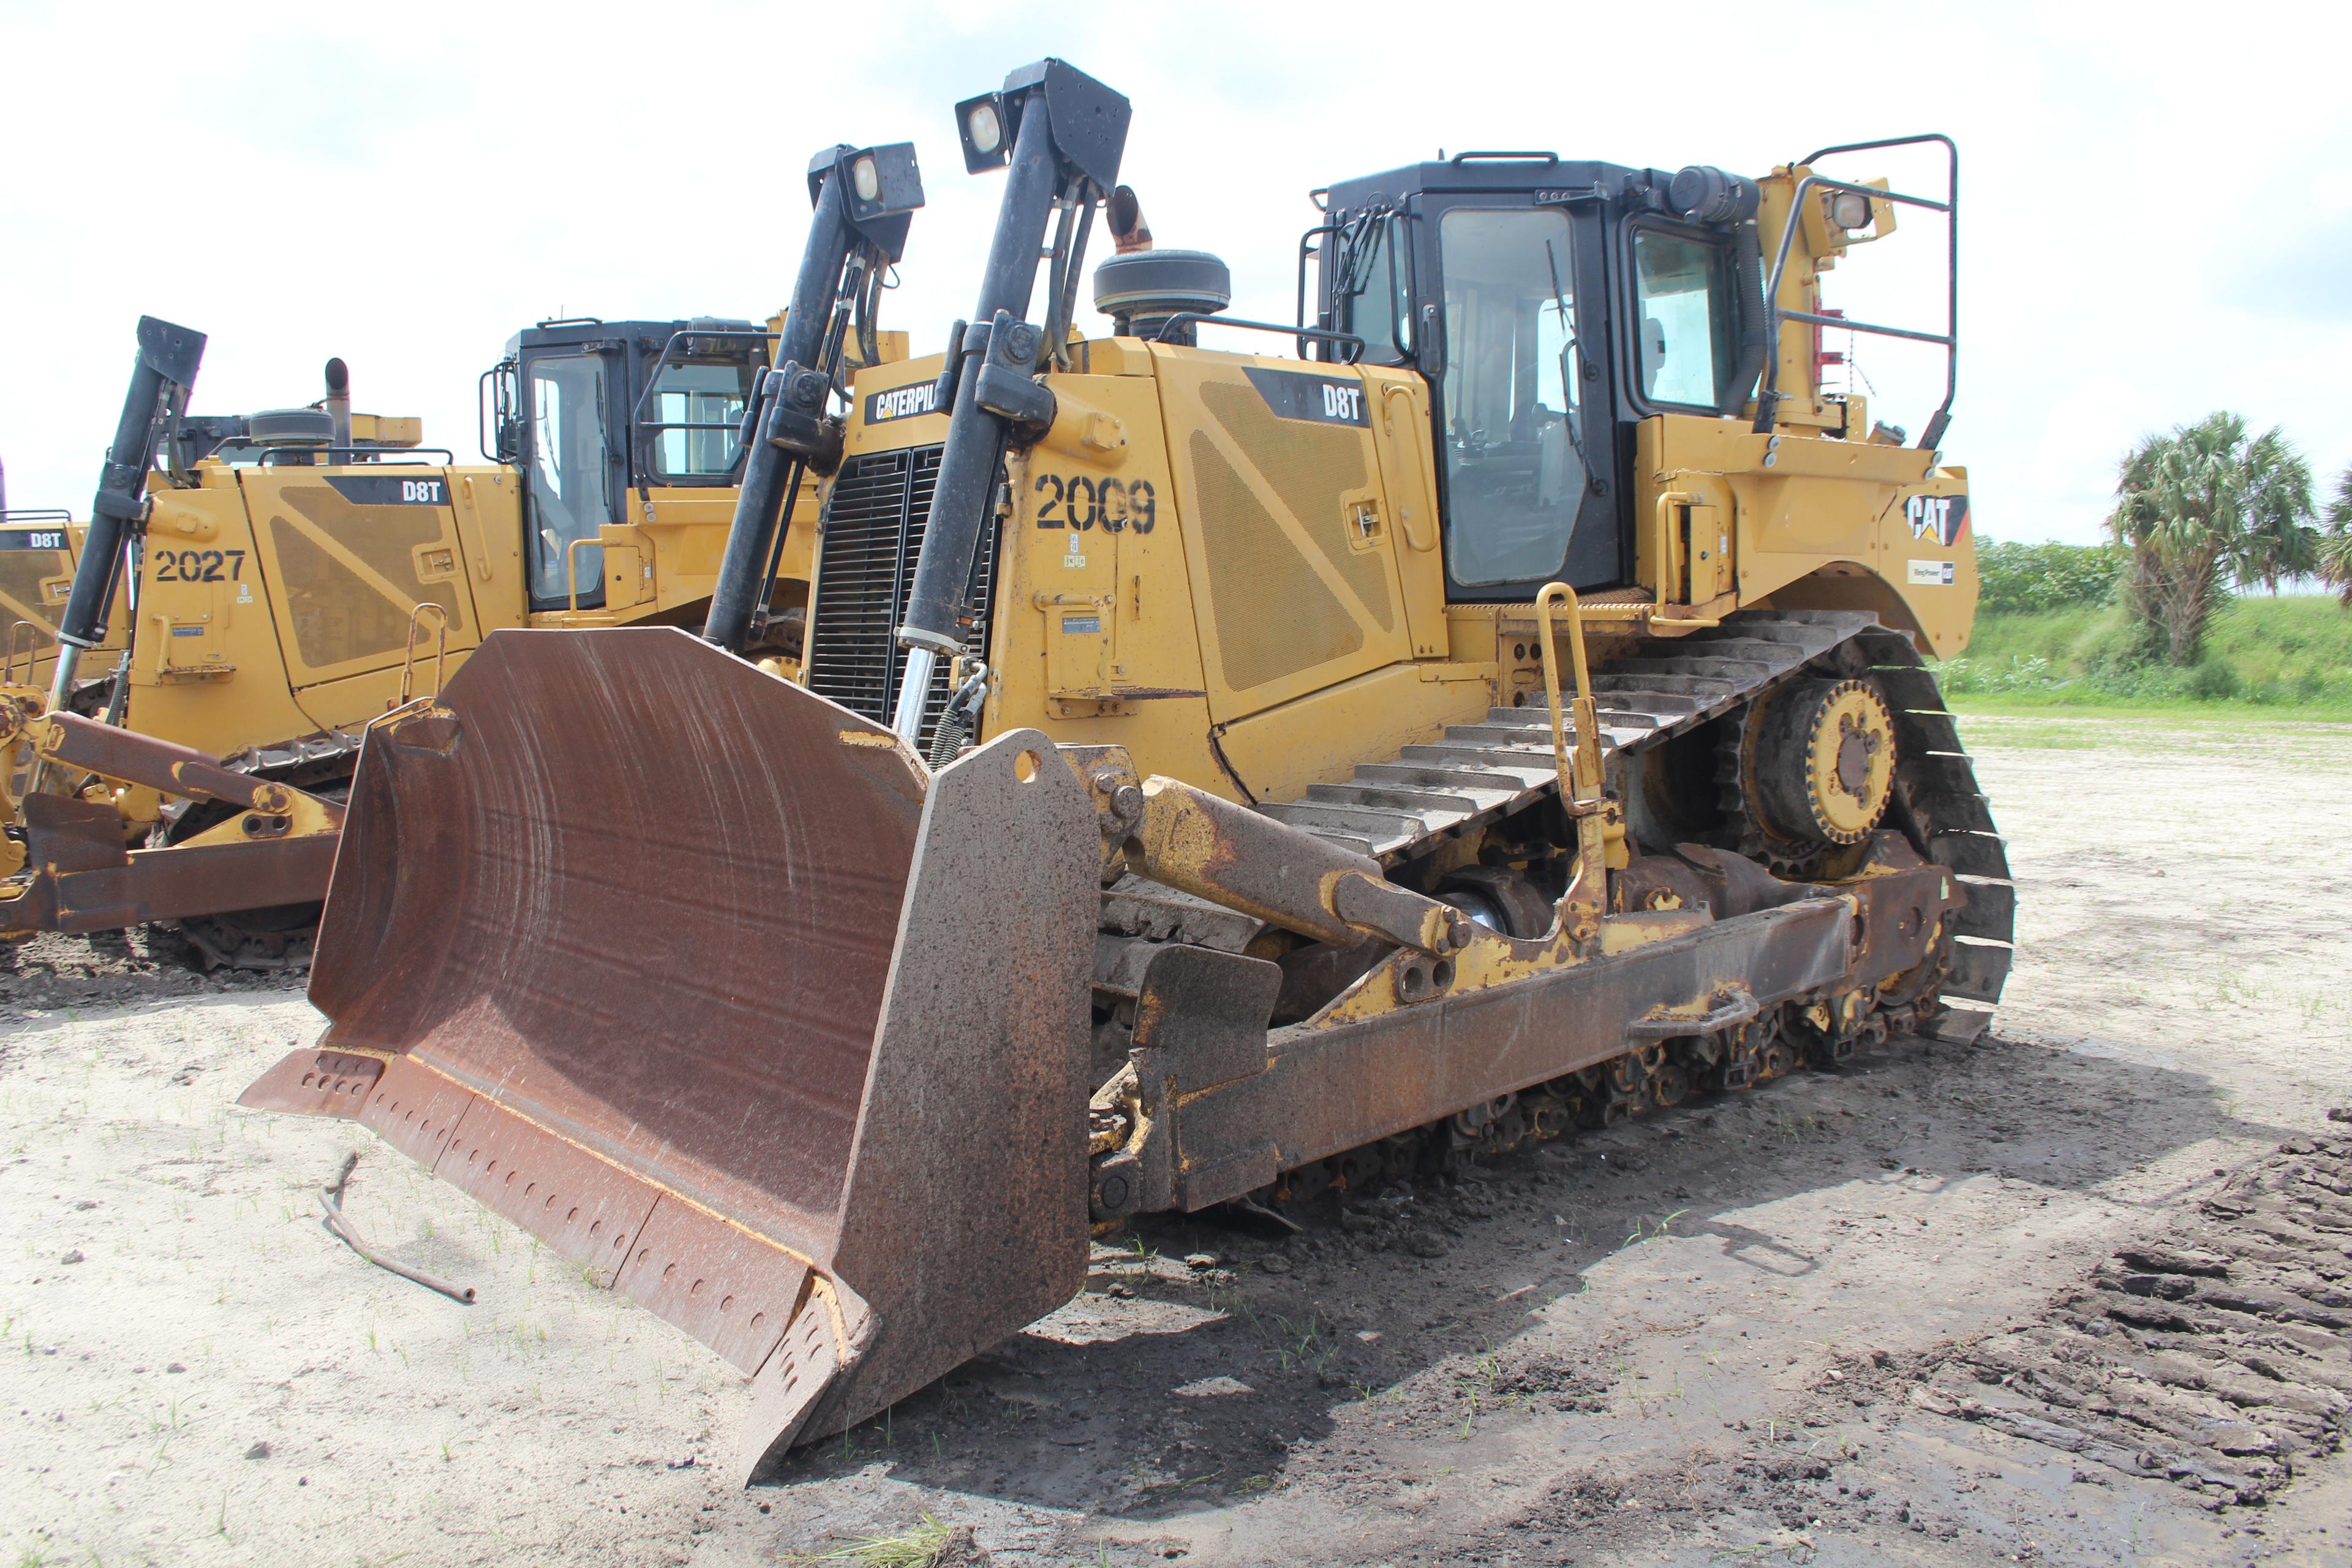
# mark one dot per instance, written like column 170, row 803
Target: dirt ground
column 2058, row 1296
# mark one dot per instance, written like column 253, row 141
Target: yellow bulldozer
column 1217, row 775
column 288, row 577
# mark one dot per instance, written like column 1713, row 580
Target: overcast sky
column 2156, row 208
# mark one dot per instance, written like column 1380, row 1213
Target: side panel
column 1097, row 641
column 346, row 555
column 1288, row 526
column 1815, row 522
column 1401, row 431
column 1322, row 737
column 489, row 508
column 37, row 567
column 206, row 668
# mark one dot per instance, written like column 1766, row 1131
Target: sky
column 2156, row 211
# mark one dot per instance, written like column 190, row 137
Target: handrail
column 1190, row 318
column 1306, row 249
column 32, row 653
column 1768, row 397
column 402, row 456
column 661, row 361
column 441, row 650
column 1581, row 785
column 572, row 565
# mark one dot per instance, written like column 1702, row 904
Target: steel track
column 1399, row 809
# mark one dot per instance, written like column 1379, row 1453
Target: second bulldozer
column 1218, row 775
column 282, row 580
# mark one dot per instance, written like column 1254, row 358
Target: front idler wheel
column 1817, row 764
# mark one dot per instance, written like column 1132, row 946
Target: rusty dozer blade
column 697, row 978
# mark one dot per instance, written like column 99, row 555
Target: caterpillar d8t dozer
column 275, row 583
column 1215, row 774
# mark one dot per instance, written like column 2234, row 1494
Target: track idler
column 701, row 980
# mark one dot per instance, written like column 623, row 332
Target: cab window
column 695, row 411
column 1516, row 473
column 568, row 476
column 1378, row 289
column 1683, row 305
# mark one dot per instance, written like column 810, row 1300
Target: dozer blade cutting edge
column 699, row 978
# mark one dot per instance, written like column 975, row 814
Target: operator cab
column 590, row 410
column 1551, row 306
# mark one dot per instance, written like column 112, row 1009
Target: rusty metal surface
column 133, row 758
column 312, row 1082
column 1329, row 1089
column 1189, row 839
column 331, row 1198
column 685, row 969
column 199, row 879
column 966, row 1211
column 81, row 879
column 639, row 893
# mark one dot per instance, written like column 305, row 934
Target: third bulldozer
column 1218, row 772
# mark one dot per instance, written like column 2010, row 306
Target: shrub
column 2021, row 579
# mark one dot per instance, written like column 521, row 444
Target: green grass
column 2290, row 658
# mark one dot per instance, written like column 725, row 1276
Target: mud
column 2077, row 1293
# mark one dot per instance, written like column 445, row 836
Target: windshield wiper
column 1572, row 361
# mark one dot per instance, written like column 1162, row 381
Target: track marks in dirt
column 2218, row 1357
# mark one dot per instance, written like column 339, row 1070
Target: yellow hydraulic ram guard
column 1580, row 780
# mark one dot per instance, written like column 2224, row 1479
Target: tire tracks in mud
column 2217, row 1357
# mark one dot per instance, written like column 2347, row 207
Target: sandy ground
column 1845, row 1318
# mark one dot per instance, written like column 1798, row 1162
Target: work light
column 979, row 123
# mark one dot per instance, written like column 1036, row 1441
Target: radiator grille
column 872, row 530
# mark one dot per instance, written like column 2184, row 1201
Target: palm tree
column 2202, row 510
column 2335, row 563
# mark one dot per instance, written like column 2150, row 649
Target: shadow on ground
column 1294, row 1329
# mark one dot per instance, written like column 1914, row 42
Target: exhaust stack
column 338, row 404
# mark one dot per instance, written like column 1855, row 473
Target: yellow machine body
column 1257, row 608
column 272, row 606
column 1282, row 850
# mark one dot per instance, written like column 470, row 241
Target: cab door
column 575, row 472
column 1529, row 458
column 347, row 557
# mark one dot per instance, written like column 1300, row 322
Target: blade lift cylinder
column 160, row 380
column 862, row 200
column 1067, row 132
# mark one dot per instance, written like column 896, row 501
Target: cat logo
column 1940, row 517
column 903, row 402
